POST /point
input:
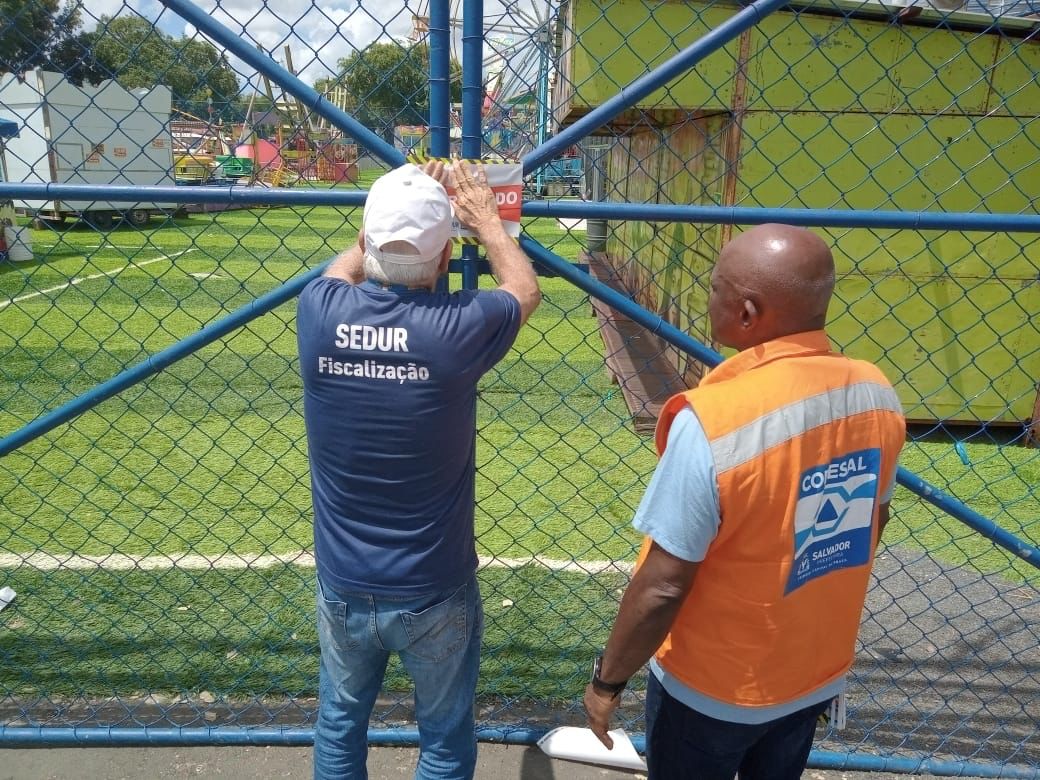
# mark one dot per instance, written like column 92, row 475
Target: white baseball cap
column 407, row 205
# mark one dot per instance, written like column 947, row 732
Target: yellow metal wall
column 842, row 114
column 667, row 266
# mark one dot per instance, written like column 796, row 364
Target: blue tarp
column 8, row 128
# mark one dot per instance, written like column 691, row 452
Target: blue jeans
column 438, row 639
column 682, row 743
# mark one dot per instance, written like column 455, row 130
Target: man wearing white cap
column 390, row 369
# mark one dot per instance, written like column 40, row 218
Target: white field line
column 81, row 279
column 42, row 561
column 70, row 245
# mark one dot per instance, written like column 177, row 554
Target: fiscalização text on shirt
column 372, row 338
column 372, row 369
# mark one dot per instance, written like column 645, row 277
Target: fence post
column 440, row 78
column 472, row 108
column 440, row 88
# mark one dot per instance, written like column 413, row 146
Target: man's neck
column 401, row 287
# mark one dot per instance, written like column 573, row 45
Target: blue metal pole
column 644, row 85
column 472, row 110
column 244, row 196
column 440, row 88
column 968, row 516
column 655, row 324
column 311, row 100
column 440, row 78
column 858, row 762
column 647, row 212
column 749, row 215
column 543, row 101
column 48, row 736
column 158, row 361
column 622, row 303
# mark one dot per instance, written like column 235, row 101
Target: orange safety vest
column 804, row 441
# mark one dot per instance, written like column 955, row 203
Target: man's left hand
column 438, row 171
column 599, row 707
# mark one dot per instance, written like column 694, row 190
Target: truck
column 99, row 135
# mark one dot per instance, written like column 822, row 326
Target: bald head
column 770, row 281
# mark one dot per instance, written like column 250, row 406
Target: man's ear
column 749, row 314
column 449, row 249
column 361, row 240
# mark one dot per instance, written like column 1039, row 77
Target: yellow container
column 813, row 111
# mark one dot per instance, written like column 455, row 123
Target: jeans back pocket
column 332, row 621
column 440, row 630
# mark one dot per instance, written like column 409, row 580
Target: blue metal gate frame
column 548, row 261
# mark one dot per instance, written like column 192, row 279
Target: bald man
column 760, row 522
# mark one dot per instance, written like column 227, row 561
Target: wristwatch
column 612, row 689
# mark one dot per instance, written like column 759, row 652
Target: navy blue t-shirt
column 390, row 386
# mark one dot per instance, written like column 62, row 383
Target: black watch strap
column 612, row 689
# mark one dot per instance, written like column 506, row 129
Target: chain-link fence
column 153, row 475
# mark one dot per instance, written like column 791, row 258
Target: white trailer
column 87, row 135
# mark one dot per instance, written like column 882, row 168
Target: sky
column 319, row 32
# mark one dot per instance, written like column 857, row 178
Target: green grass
column 208, row 456
column 999, row 482
column 239, row 634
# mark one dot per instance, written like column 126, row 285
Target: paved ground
column 496, row 762
column 949, row 667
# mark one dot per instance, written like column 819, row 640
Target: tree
column 137, row 54
column 390, row 84
column 45, row 34
column 335, row 90
column 245, row 108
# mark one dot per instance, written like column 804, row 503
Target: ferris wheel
column 519, row 56
column 519, row 42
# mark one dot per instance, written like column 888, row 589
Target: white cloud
column 318, row 35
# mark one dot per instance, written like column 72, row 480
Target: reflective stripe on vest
column 752, row 439
column 803, row 439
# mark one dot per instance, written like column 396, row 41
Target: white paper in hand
column 577, row 744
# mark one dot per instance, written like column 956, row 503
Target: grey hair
column 410, row 275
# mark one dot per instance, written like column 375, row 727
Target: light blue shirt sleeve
column 680, row 509
column 886, row 497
